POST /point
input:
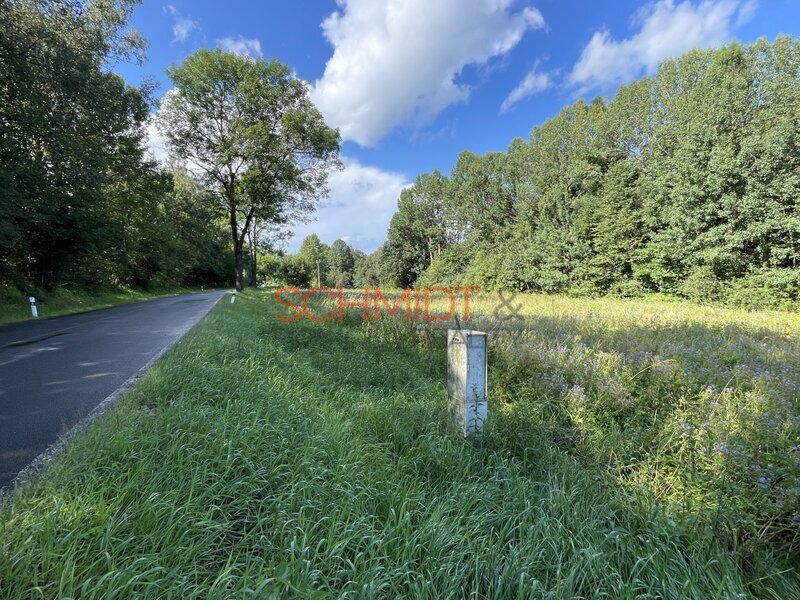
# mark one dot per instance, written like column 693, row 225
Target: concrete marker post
column 466, row 380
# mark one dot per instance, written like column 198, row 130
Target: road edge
column 35, row 467
column 83, row 311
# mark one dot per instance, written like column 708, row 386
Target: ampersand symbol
column 506, row 303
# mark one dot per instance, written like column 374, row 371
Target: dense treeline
column 686, row 183
column 336, row 266
column 81, row 206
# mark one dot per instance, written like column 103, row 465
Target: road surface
column 54, row 372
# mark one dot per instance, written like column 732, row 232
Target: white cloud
column 358, row 209
column 156, row 143
column 665, row 29
column 533, row 83
column 241, row 46
column 181, row 26
column 396, row 61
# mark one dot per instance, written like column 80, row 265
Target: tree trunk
column 253, row 255
column 238, row 265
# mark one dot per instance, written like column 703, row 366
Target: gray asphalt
column 54, row 372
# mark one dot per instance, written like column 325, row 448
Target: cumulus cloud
column 181, row 26
column 665, row 29
column 242, row 46
column 397, row 61
column 155, row 143
column 358, row 209
column 533, row 83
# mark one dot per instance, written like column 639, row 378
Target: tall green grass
column 263, row 459
column 14, row 304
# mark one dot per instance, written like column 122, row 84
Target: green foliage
column 338, row 266
column 252, row 129
column 314, row 255
column 686, row 183
column 766, row 288
column 14, row 306
column 269, row 270
column 369, row 270
column 341, row 261
column 447, row 267
column 484, row 270
column 420, row 229
column 80, row 206
column 294, row 272
column 615, row 227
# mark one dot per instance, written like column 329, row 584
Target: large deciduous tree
column 250, row 127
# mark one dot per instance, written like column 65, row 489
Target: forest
column 83, row 206
column 686, row 184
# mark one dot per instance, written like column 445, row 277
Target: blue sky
column 411, row 83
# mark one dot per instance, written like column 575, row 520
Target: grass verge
column 262, row 459
column 14, row 306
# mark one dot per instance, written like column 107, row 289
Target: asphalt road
column 54, row 372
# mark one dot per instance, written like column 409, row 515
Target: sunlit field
column 635, row 449
column 695, row 405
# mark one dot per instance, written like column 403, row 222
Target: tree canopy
column 686, row 183
column 250, row 127
column 81, row 205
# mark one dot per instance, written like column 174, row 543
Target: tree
column 342, row 265
column 200, row 252
column 617, row 230
column 480, row 194
column 251, row 128
column 369, row 269
column 70, row 127
column 293, row 271
column 314, row 254
column 687, row 182
column 406, row 251
column 263, row 239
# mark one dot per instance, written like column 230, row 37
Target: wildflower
column 687, row 429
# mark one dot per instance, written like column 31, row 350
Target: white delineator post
column 466, row 380
column 233, row 296
column 34, row 312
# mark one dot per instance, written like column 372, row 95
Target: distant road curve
column 54, row 372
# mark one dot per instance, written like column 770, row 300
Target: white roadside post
column 233, row 296
column 466, row 380
column 34, row 312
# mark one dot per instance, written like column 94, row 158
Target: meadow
column 636, row 449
